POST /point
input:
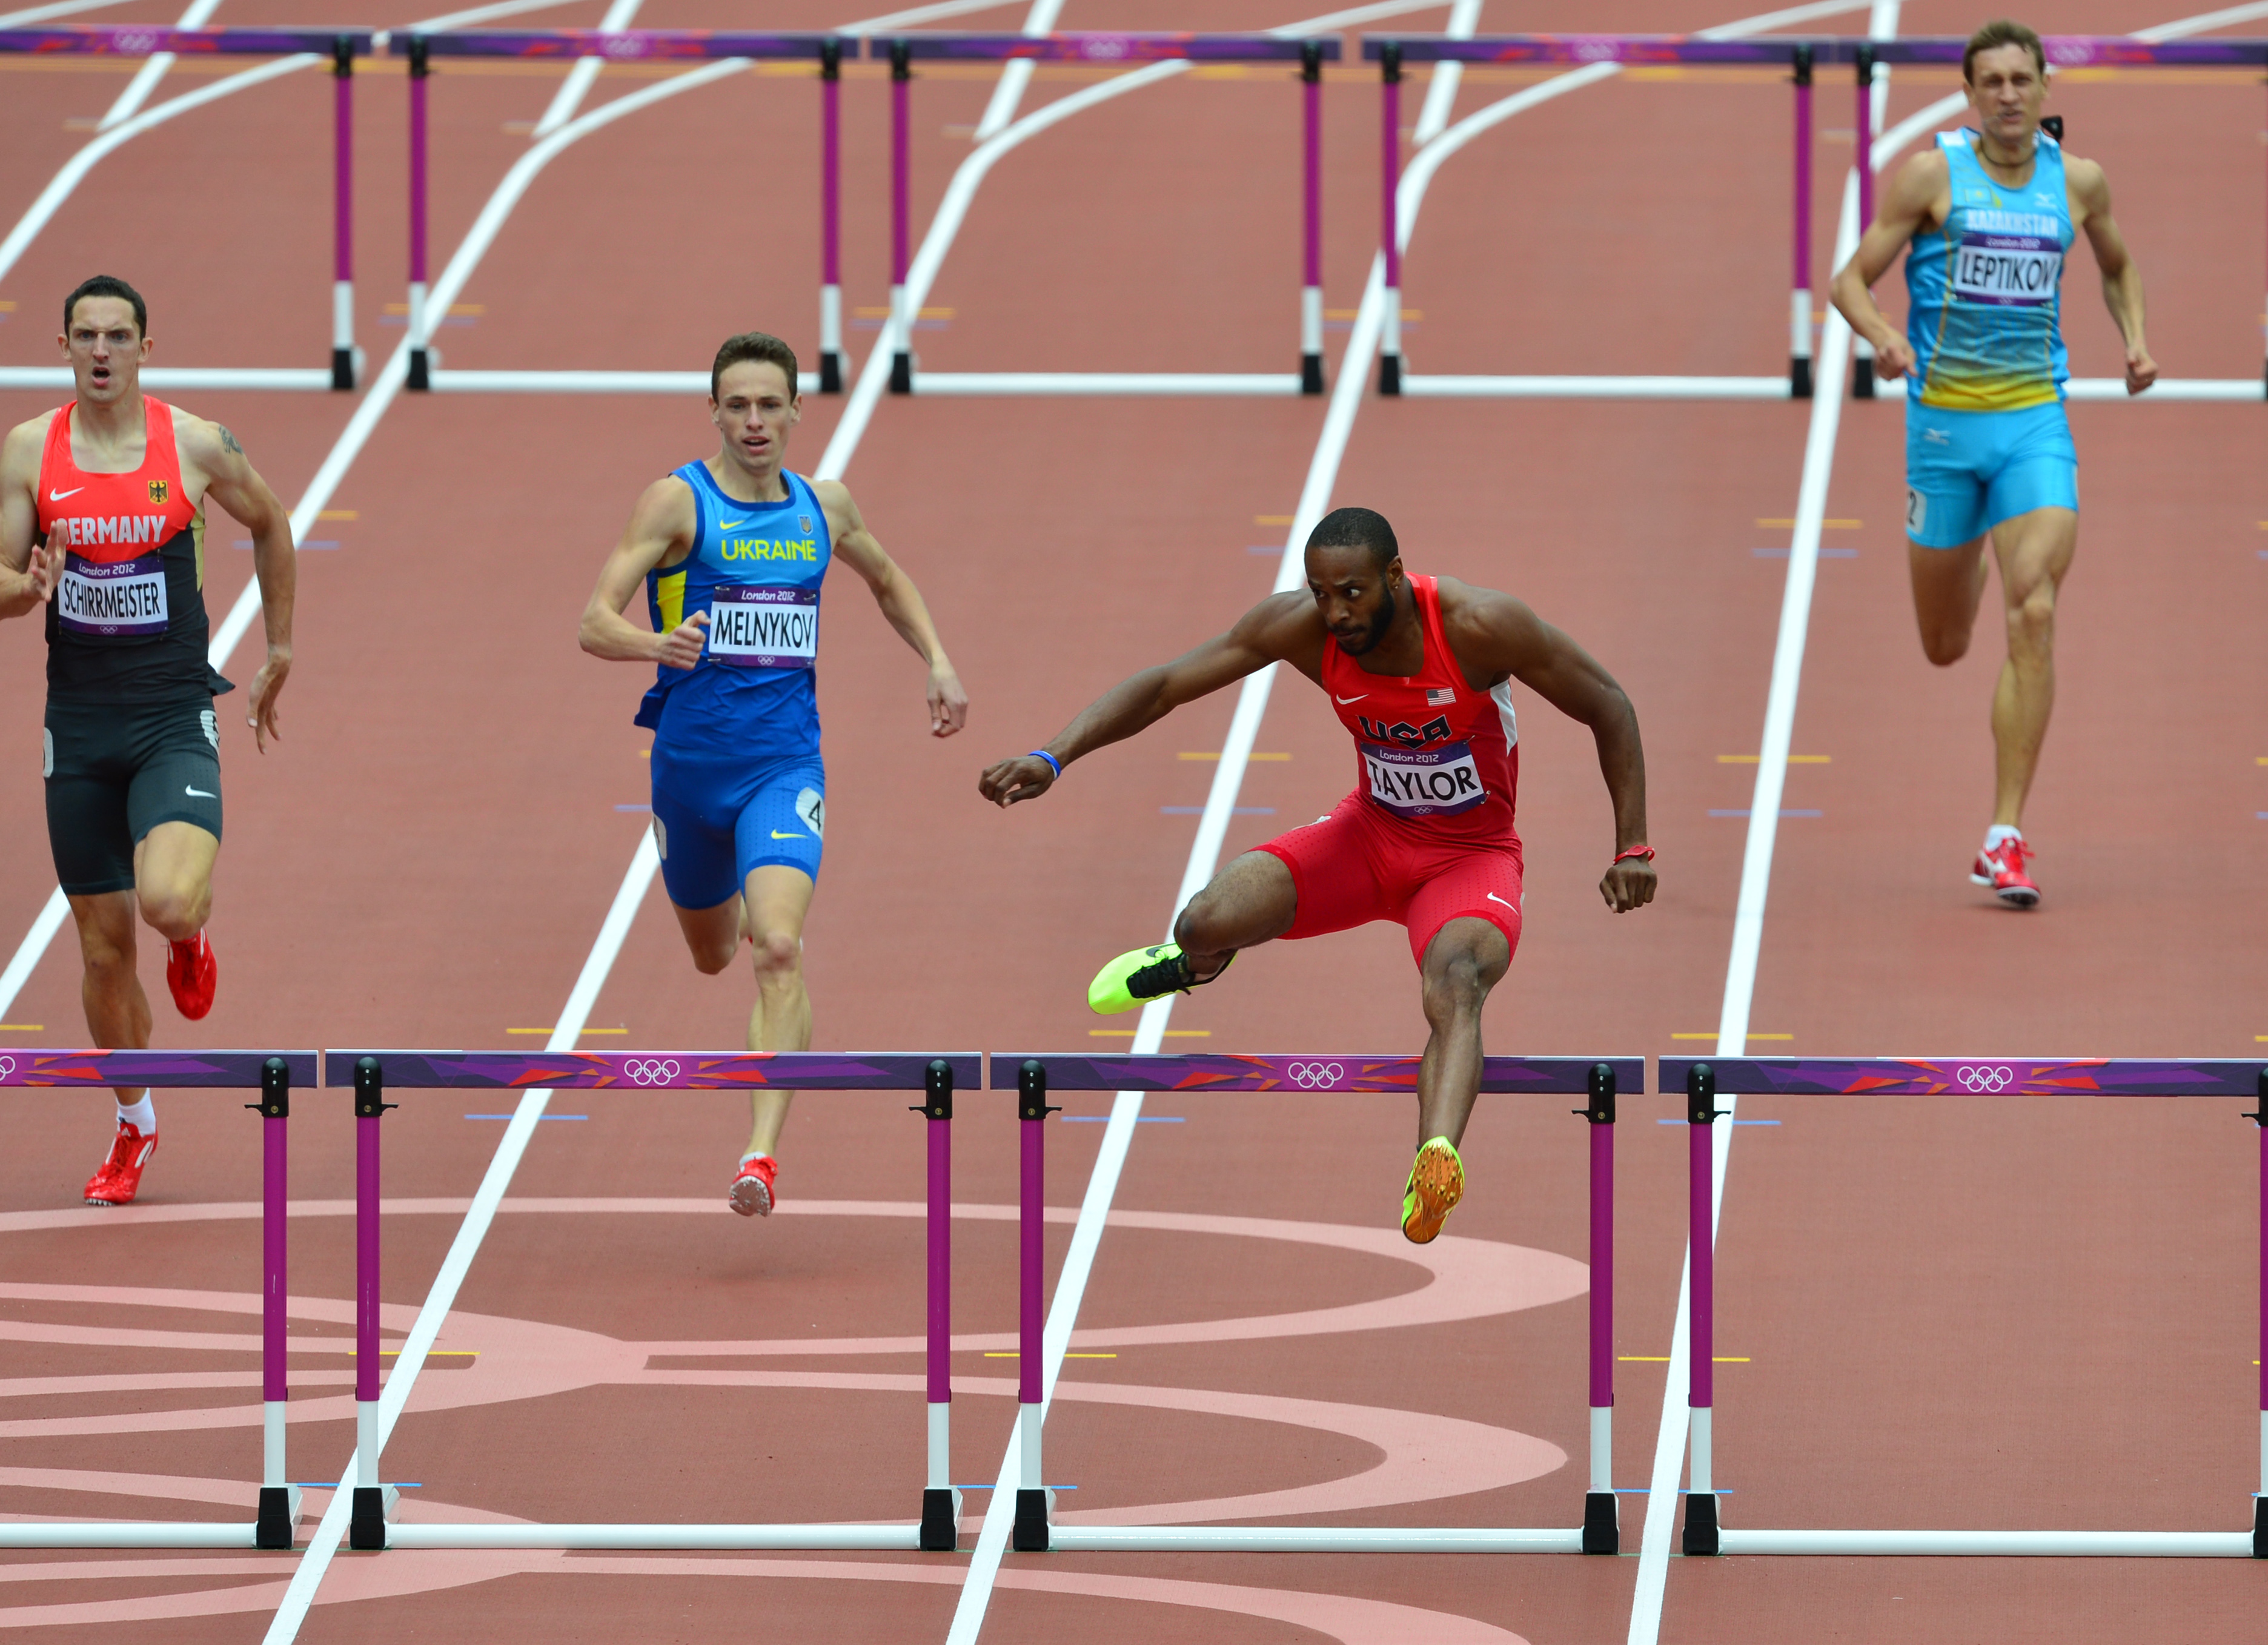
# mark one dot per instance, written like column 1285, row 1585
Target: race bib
column 120, row 600
column 2008, row 258
column 1422, row 783
column 764, row 627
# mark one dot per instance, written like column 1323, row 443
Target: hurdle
column 340, row 47
column 1703, row 1532
column 1802, row 58
column 374, row 1073
column 1121, row 50
column 619, row 45
column 1032, row 1077
column 273, row 1074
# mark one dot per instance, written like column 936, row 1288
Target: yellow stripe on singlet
column 671, row 590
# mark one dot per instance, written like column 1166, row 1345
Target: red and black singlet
column 128, row 619
column 1429, row 751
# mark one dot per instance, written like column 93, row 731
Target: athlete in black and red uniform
column 1419, row 671
column 102, row 523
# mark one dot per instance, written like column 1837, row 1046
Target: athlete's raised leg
column 2035, row 551
column 172, row 878
column 778, row 899
column 1466, row 959
column 1948, row 588
column 1251, row 901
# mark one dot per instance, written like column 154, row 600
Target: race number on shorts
column 1422, row 781
column 764, row 627
column 1917, row 511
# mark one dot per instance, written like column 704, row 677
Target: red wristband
column 1643, row 852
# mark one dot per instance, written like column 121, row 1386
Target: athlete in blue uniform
column 732, row 551
column 1988, row 215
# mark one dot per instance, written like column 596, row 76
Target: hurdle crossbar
column 1032, row 1077
column 1801, row 56
column 1703, row 1532
column 1112, row 50
column 645, row 46
column 341, row 47
column 273, row 1074
column 373, row 1073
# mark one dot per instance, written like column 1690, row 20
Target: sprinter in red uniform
column 102, row 526
column 1419, row 671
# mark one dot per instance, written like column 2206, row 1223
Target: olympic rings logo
column 135, row 43
column 1105, row 49
column 651, row 1070
column 1992, row 1078
column 1315, row 1076
column 7, row 1067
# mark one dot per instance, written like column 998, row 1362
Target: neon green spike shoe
column 1140, row 976
column 1437, row 1182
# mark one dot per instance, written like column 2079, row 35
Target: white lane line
column 577, row 85
column 1008, row 95
column 1441, row 94
column 43, row 13
column 147, row 78
column 913, row 15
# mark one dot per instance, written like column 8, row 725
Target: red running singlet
column 1429, row 749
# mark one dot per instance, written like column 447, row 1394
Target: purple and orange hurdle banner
column 375, row 1073
column 1120, row 50
column 1033, row 1078
column 629, row 45
column 1801, row 56
column 1984, row 1077
column 272, row 1074
column 340, row 46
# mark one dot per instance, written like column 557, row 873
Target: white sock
column 1998, row 834
column 745, row 1158
column 143, row 1116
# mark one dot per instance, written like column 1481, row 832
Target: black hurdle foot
column 940, row 1521
column 1701, row 1523
column 2260, row 1527
column 274, row 1528
column 1311, row 373
column 830, row 373
column 1030, row 1535
column 901, row 373
column 367, row 1529
column 1389, row 374
column 1862, row 377
column 1601, row 1529
column 1799, row 377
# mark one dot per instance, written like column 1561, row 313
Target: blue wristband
column 1054, row 764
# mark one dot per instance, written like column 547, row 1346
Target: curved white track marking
column 62, row 8
column 577, row 85
column 1008, row 95
column 147, row 78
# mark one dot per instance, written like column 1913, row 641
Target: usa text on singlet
column 128, row 619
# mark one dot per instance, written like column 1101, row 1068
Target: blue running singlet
column 755, row 568
column 1985, row 318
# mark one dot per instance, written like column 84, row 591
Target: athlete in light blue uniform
column 1988, row 215
column 732, row 551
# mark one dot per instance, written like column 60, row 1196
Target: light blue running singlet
column 1985, row 320
column 755, row 568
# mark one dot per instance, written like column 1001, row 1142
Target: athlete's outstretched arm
column 231, row 481
column 663, row 522
column 2122, row 280
column 900, row 602
column 1904, row 213
column 1499, row 632
column 1271, row 632
column 27, row 572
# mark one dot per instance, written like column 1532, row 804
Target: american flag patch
column 1442, row 698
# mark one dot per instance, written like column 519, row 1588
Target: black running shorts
column 113, row 772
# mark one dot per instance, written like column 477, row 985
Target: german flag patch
column 159, row 492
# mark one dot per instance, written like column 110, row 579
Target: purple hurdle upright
column 1311, row 291
column 1030, row 1531
column 1701, row 1114
column 2259, row 1117
column 902, row 357
column 830, row 216
column 1389, row 171
column 367, row 1527
column 940, row 1520
column 342, row 342
column 1799, row 357
column 278, row 1512
column 421, row 366
column 1862, row 147
column 1602, row 1529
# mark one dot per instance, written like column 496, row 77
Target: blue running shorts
column 718, row 820
column 1967, row 471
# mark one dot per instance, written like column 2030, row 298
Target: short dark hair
column 752, row 345
column 1356, row 528
column 109, row 285
column 1999, row 33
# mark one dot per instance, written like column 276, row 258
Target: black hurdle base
column 273, row 1528
column 1311, row 373
column 1700, row 1524
column 367, row 1529
column 2260, row 1527
column 1798, row 377
column 1389, row 374
column 1862, row 377
column 342, row 368
column 830, row 373
column 940, row 1524
column 902, row 373
column 1601, row 1529
column 1030, row 1534
column 421, row 369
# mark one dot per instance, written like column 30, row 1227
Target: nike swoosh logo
column 1337, row 698
column 776, row 834
column 730, row 526
column 198, row 793
column 58, row 497
column 1492, row 897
